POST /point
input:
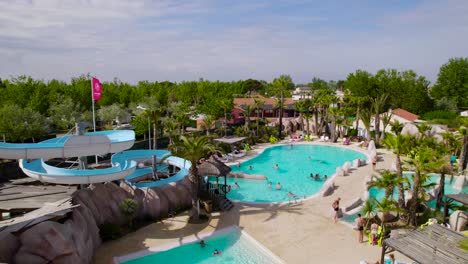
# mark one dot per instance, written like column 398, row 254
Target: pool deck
column 297, row 233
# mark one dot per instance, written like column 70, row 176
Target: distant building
column 464, row 113
column 301, row 93
column 403, row 116
column 269, row 108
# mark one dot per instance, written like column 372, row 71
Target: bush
column 352, row 132
column 273, row 139
column 109, row 231
column 439, row 114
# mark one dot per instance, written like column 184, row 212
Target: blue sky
column 228, row 40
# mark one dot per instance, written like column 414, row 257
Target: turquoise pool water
column 235, row 248
column 295, row 166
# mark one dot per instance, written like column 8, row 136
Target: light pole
column 149, row 125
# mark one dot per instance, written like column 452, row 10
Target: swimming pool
column 295, row 165
column 380, row 193
column 236, row 247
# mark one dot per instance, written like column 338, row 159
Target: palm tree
column 365, row 115
column 193, row 149
column 248, row 112
column 384, row 207
column 422, row 159
column 445, row 168
column 258, row 104
column 387, row 181
column 153, row 109
column 333, row 116
column 464, row 151
column 386, row 118
column 226, row 105
column 378, row 106
column 208, row 122
column 281, row 85
column 170, row 128
column 399, row 145
column 369, row 210
column 397, row 127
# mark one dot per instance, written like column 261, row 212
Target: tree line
column 29, row 107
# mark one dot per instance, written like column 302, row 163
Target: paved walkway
column 297, row 233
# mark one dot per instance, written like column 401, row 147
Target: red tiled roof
column 405, row 114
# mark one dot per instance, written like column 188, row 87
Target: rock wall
column 75, row 239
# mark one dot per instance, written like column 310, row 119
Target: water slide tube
column 89, row 144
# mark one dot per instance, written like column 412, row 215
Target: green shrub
column 352, row 132
column 129, row 208
column 109, row 231
column 273, row 139
column 439, row 114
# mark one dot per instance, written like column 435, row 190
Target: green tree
column 193, row 149
column 463, row 130
column 112, row 113
column 399, row 144
column 258, row 104
column 422, row 159
column 384, row 207
column 64, row 113
column 452, row 82
column 378, row 107
column 387, row 181
column 152, row 108
column 20, row 124
column 282, row 87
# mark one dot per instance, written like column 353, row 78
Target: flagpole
column 94, row 115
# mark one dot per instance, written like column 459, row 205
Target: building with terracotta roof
column 269, row 108
column 403, row 116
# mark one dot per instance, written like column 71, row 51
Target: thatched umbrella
column 213, row 167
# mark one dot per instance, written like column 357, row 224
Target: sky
column 228, row 40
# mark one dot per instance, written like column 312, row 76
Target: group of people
column 278, row 185
column 317, row 177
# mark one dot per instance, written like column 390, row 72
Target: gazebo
column 215, row 192
column 433, row 244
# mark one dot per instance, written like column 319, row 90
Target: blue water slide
column 89, row 144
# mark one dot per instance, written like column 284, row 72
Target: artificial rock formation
column 458, row 221
column 75, row 239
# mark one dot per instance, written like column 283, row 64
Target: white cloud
column 177, row 40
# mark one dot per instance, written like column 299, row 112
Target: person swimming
column 202, row 243
column 278, row 186
column 216, row 252
column 276, row 167
column 270, row 184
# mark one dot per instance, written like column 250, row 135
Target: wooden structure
column 432, row 244
column 215, row 191
column 55, row 210
column 16, row 198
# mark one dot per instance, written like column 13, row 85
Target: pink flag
column 97, row 89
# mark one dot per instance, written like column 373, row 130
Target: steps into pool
column 225, row 204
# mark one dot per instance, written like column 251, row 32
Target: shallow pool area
column 295, row 164
column 235, row 245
